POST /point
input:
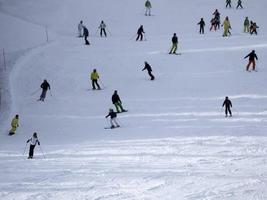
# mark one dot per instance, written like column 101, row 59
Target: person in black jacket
column 117, row 102
column 228, row 104
column 201, row 26
column 149, row 70
column 113, row 117
column 86, row 35
column 228, row 3
column 45, row 86
column 174, row 44
column 252, row 55
column 239, row 4
column 140, row 32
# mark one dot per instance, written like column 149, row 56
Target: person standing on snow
column 252, row 55
column 174, row 44
column 217, row 19
column 253, row 28
column 148, row 7
column 45, row 86
column 117, row 102
column 80, row 29
column 246, row 25
column 113, row 117
column 228, row 3
column 228, row 104
column 33, row 141
column 102, row 28
column 227, row 26
column 140, row 32
column 86, row 35
column 239, row 4
column 94, row 78
column 14, row 125
column 149, row 70
column 201, row 26
column 213, row 24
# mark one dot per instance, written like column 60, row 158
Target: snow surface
column 174, row 143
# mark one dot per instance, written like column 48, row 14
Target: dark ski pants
column 201, row 30
column 86, row 41
column 228, row 4
column 227, row 109
column 43, row 95
column 253, row 64
column 141, row 37
column 253, row 31
column 151, row 76
column 31, row 151
column 102, row 30
column 239, row 5
column 95, row 83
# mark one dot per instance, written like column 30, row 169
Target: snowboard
column 111, row 128
column 122, row 111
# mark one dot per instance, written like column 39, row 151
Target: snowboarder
column 174, row 44
column 227, row 26
column 148, row 7
column 14, row 125
column 80, row 29
column 246, row 25
column 239, row 4
column 253, row 28
column 45, row 86
column 86, row 35
column 94, row 78
column 113, row 117
column 201, row 26
column 102, row 28
column 213, row 24
column 140, row 32
column 252, row 55
column 117, row 102
column 228, row 104
column 228, row 3
column 33, row 141
column 149, row 70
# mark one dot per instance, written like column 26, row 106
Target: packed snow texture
column 174, row 143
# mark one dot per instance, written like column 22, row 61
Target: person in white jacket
column 102, row 28
column 80, row 29
column 33, row 141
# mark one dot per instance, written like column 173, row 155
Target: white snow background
column 174, row 143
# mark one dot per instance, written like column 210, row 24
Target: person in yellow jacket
column 94, row 78
column 14, row 125
column 227, row 26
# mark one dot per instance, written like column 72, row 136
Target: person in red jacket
column 252, row 55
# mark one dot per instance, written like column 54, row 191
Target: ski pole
column 96, row 32
column 101, row 83
column 107, row 121
column 109, row 32
column 145, row 37
column 41, row 150
column 35, row 92
column 25, row 148
column 132, row 37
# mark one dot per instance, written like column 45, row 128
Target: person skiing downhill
column 33, row 141
column 228, row 3
column 253, row 28
column 102, row 28
column 113, row 117
column 227, row 26
column 246, row 25
column 94, row 78
column 201, row 26
column 80, row 29
column 45, row 86
column 252, row 55
column 228, row 104
column 140, row 32
column 148, row 8
column 239, row 4
column 174, row 44
column 14, row 125
column 86, row 35
column 149, row 70
column 217, row 19
column 117, row 102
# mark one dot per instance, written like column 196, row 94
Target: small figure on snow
column 213, row 24
column 113, row 117
column 148, row 8
column 227, row 26
column 94, row 78
column 117, row 102
column 45, row 86
column 174, row 44
column 217, row 19
column 201, row 26
column 149, row 70
column 102, row 28
column 140, row 32
column 228, row 104
column 252, row 55
column 239, row 4
column 228, row 3
column 14, row 125
column 33, row 141
column 253, row 28
column 86, row 35
column 246, row 25
column 80, row 29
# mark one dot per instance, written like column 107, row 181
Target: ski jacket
column 174, row 40
column 251, row 56
column 15, row 122
column 112, row 114
column 140, row 30
column 227, row 103
column 148, row 4
column 115, row 98
column 102, row 25
column 45, row 85
column 226, row 24
column 80, row 26
column 85, row 32
column 239, row 2
column 246, row 22
column 33, row 141
column 94, row 76
column 201, row 23
column 228, row 1
column 147, row 67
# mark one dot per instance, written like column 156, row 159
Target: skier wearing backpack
column 14, row 125
column 246, row 25
column 45, row 86
column 80, row 29
column 252, row 56
column 94, row 78
column 148, row 8
column 228, row 104
column 149, row 70
column 33, row 141
column 201, row 26
column 239, row 4
column 113, row 117
column 117, row 102
column 102, row 28
column 227, row 26
column 140, row 32
column 174, row 44
column 86, row 35
column 228, row 3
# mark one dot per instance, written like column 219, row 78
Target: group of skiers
column 229, row 4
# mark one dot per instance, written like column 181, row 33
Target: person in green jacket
column 227, row 26
column 14, row 125
column 246, row 25
column 148, row 8
column 94, row 78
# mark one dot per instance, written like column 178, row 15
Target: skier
column 228, row 104
column 113, row 117
column 201, row 26
column 14, row 125
column 227, row 26
column 117, row 102
column 252, row 55
column 174, row 44
column 149, row 70
column 33, row 141
column 102, row 27
column 86, row 35
column 239, row 4
column 80, row 29
column 253, row 28
column 246, row 25
column 228, row 3
column 140, row 32
column 213, row 24
column 45, row 86
column 148, row 8
column 94, row 77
